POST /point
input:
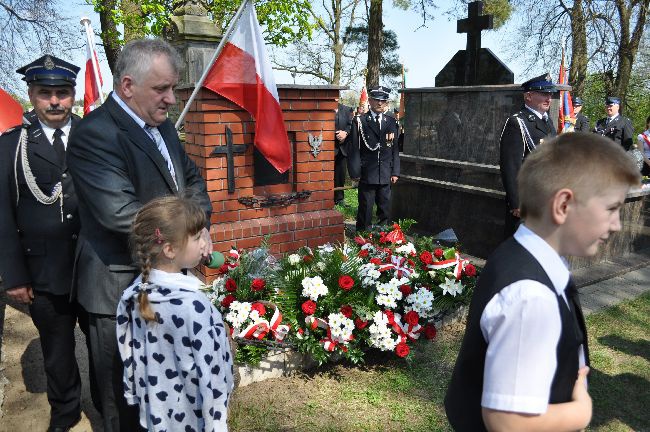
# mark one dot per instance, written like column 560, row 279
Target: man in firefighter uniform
column 39, row 226
column 373, row 158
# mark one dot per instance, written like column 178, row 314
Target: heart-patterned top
column 178, row 369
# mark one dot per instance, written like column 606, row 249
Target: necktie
column 378, row 120
column 59, row 148
column 154, row 133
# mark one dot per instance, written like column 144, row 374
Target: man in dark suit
column 342, row 125
column 122, row 155
column 373, row 158
column 39, row 225
column 522, row 132
column 582, row 122
column 615, row 126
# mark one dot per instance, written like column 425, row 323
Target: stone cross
column 473, row 25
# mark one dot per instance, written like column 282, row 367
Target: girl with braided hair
column 173, row 343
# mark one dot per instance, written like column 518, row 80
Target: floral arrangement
column 381, row 291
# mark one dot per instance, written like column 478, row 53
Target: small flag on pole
column 566, row 120
column 11, row 112
column 401, row 95
column 363, row 98
column 93, row 77
column 243, row 74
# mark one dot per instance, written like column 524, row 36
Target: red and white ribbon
column 458, row 263
column 329, row 343
column 257, row 330
column 279, row 330
column 399, row 264
column 404, row 330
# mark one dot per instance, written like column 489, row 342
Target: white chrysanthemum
column 451, row 286
column 407, row 249
column 381, row 336
column 238, row 313
column 320, row 265
column 414, row 275
column 341, row 327
column 420, row 301
column 368, row 274
column 313, row 287
column 389, row 293
column 294, row 259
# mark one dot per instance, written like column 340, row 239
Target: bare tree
column 29, row 28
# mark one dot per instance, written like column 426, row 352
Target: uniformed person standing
column 39, row 227
column 373, row 158
column 615, row 126
column 342, row 126
column 522, row 132
column 582, row 122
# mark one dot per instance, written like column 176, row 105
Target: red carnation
column 360, row 324
column 402, row 350
column 363, row 253
column 346, row 282
column 231, row 285
column 390, row 316
column 346, row 310
column 412, row 318
column 470, row 270
column 308, row 258
column 438, row 253
column 259, row 307
column 426, row 257
column 430, row 331
column 258, row 284
column 223, row 269
column 309, row 307
column 405, row 289
column 227, row 300
column 375, row 261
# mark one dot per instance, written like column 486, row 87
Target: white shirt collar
column 49, row 132
column 612, row 117
column 553, row 264
column 128, row 110
column 537, row 113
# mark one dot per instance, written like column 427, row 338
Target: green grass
column 351, row 201
column 388, row 394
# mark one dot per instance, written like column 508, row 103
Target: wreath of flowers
column 383, row 291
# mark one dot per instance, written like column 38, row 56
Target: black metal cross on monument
column 473, row 25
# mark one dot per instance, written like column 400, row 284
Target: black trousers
column 370, row 194
column 340, row 166
column 55, row 319
column 108, row 371
column 511, row 224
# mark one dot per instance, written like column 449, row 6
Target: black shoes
column 64, row 428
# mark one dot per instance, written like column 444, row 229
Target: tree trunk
column 337, row 45
column 134, row 27
column 578, row 69
column 629, row 43
column 375, row 28
column 109, row 34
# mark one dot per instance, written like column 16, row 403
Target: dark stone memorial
column 450, row 160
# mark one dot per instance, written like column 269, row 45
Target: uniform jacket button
column 74, row 236
column 68, row 216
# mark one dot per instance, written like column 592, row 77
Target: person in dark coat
column 615, row 126
column 123, row 155
column 39, row 225
column 373, row 158
column 522, row 132
column 582, row 122
column 342, row 125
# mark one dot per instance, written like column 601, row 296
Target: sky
column 424, row 51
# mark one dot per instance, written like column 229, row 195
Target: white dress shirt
column 522, row 326
column 49, row 132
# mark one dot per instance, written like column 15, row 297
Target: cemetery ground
column 384, row 394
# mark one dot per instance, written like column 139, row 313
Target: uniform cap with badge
column 540, row 84
column 49, row 71
column 381, row 93
column 612, row 100
column 577, row 101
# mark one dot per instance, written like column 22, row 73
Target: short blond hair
column 586, row 163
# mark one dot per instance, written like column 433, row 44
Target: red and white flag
column 11, row 112
column 242, row 73
column 93, row 77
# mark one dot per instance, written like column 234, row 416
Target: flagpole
column 90, row 40
column 199, row 83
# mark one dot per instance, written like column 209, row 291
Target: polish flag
column 363, row 99
column 242, row 73
column 92, row 92
column 11, row 112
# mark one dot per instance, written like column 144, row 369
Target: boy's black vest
column 509, row 263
